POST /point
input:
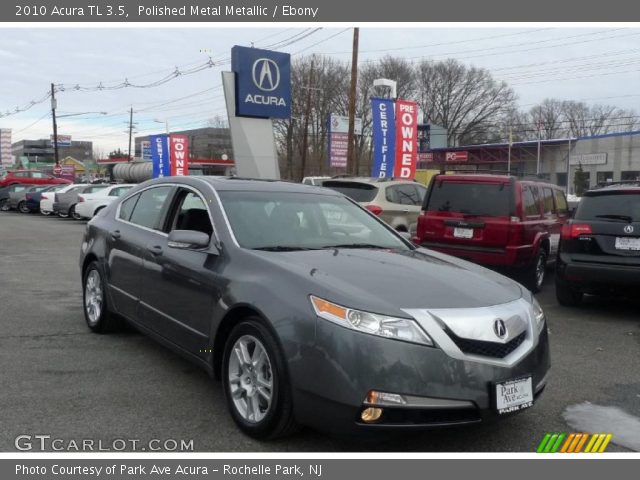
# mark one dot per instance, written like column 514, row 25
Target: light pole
column 166, row 123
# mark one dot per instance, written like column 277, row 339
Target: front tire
column 567, row 296
column 255, row 382
column 94, row 300
column 4, row 205
column 22, row 207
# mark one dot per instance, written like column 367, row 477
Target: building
column 38, row 151
column 604, row 158
column 204, row 143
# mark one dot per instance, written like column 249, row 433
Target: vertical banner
column 179, row 148
column 6, row 157
column 383, row 137
column 407, row 139
column 160, row 155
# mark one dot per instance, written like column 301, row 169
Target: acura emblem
column 266, row 74
column 499, row 328
column 628, row 229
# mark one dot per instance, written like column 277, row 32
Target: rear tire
column 536, row 272
column 4, row 205
column 255, row 382
column 22, row 207
column 73, row 214
column 94, row 300
column 567, row 296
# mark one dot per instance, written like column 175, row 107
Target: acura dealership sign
column 263, row 82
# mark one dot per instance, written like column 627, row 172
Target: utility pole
column 509, row 156
column 56, row 155
column 130, row 131
column 351, row 158
column 305, row 138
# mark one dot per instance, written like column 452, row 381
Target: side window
column 191, row 213
column 116, row 192
column 549, row 207
column 148, row 210
column 21, row 174
column 530, row 202
column 406, row 194
column 391, row 195
column 561, row 202
column 126, row 207
column 422, row 192
column 38, row 175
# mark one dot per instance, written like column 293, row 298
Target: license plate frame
column 460, row 232
column 628, row 244
column 520, row 387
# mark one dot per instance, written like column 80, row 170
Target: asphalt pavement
column 59, row 379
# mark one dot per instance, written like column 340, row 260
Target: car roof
column 493, row 178
column 615, row 188
column 370, row 180
column 244, row 184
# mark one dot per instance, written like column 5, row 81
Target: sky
column 595, row 65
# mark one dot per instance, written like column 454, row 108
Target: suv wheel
column 96, row 311
column 535, row 274
column 254, row 381
column 567, row 296
column 22, row 207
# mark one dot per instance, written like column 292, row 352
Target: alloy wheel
column 250, row 379
column 93, row 297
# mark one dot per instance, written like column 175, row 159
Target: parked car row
column 79, row 201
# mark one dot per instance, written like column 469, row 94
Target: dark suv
column 600, row 247
column 494, row 220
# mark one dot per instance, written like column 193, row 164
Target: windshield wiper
column 357, row 245
column 625, row 218
column 283, row 248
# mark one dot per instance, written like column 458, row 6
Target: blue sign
column 160, row 155
column 263, row 82
column 383, row 137
column 146, row 150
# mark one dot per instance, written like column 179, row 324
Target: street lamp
column 392, row 85
column 81, row 113
column 166, row 123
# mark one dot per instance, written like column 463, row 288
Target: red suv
column 30, row 177
column 496, row 221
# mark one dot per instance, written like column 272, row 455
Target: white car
column 47, row 198
column 316, row 181
column 89, row 204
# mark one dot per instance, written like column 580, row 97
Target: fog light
column 369, row 415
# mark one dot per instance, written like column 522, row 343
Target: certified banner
column 407, row 139
column 160, row 155
column 179, row 148
column 383, row 137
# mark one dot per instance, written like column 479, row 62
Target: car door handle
column 115, row 234
column 155, row 249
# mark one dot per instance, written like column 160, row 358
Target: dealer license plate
column 463, row 232
column 514, row 395
column 627, row 243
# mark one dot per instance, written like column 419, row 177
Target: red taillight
column 80, row 198
column 44, row 197
column 375, row 209
column 574, row 230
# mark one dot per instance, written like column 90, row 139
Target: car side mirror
column 188, row 239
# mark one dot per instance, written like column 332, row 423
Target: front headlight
column 389, row 327
column 538, row 314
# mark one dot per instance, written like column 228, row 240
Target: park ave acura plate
column 513, row 395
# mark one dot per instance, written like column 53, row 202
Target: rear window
column 482, row 199
column 613, row 206
column 360, row 192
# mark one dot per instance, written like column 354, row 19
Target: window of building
column 604, row 177
column 630, row 176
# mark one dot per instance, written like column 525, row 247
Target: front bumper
column 446, row 391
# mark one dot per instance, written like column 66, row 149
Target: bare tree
column 218, row 121
column 465, row 100
column 547, row 116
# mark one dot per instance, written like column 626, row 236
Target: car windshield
column 284, row 221
column 359, row 191
column 481, row 199
column 621, row 206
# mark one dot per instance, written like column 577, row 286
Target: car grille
column 487, row 349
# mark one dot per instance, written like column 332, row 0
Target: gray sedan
column 310, row 310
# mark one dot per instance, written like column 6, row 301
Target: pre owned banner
column 179, row 147
column 407, row 139
column 160, row 155
column 383, row 137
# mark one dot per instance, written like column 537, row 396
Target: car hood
column 386, row 281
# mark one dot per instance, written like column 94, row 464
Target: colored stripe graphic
column 556, row 442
